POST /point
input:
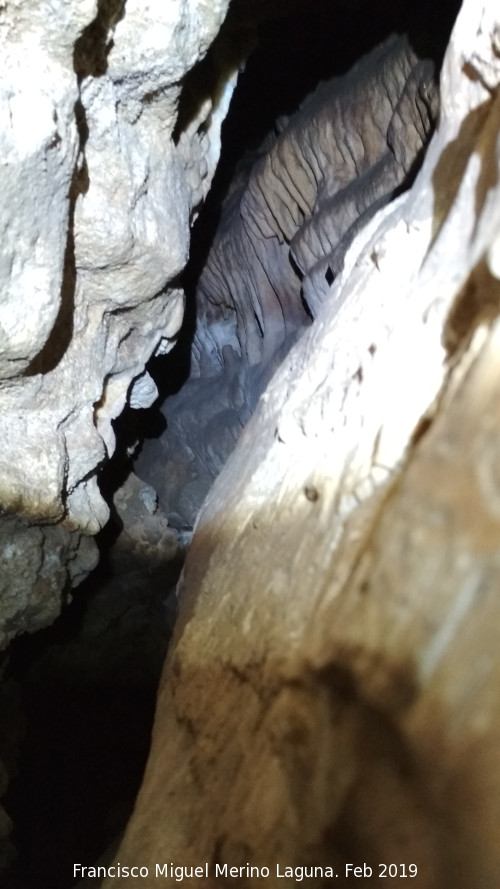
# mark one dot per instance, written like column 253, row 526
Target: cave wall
column 95, row 213
column 96, row 203
column 332, row 692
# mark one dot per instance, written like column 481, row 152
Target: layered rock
column 332, row 694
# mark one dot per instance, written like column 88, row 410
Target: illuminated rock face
column 95, row 211
column 332, row 693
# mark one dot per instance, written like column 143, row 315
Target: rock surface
column 88, row 102
column 283, row 234
column 332, row 693
column 96, row 203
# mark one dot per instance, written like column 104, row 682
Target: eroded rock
column 97, row 199
column 95, row 216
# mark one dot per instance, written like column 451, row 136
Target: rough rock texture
column 95, row 211
column 126, row 614
column 283, row 234
column 96, row 202
column 332, row 694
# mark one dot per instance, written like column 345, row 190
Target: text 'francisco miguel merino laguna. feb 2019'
column 279, row 871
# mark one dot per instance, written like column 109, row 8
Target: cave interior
column 81, row 694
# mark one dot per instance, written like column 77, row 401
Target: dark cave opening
column 88, row 683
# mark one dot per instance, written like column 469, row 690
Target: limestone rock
column 95, row 211
column 332, row 693
column 36, row 563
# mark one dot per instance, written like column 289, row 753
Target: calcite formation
column 331, row 699
column 284, row 230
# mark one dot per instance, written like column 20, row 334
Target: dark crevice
column 329, row 276
column 62, row 331
column 88, row 694
column 91, row 51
